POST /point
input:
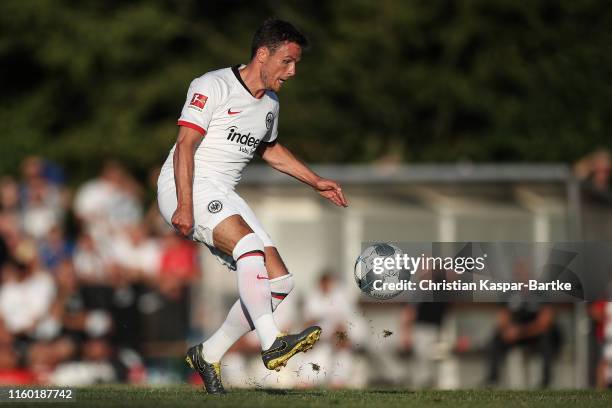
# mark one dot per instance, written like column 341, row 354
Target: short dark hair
column 273, row 33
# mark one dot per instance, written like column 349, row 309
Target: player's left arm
column 281, row 159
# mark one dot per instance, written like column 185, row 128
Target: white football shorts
column 212, row 203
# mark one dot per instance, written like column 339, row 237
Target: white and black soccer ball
column 365, row 275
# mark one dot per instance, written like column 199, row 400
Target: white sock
column 237, row 324
column 254, row 287
column 280, row 287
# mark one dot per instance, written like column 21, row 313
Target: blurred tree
column 384, row 80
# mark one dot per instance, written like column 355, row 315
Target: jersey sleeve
column 273, row 132
column 203, row 97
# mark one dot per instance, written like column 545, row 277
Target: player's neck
column 252, row 79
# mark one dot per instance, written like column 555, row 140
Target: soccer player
column 228, row 116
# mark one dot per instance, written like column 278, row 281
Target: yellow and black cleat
column 287, row 345
column 209, row 372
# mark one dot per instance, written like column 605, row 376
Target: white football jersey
column 233, row 122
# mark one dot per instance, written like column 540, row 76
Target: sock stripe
column 278, row 295
column 256, row 252
column 281, row 278
column 247, row 315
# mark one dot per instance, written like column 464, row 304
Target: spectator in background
column 524, row 321
column 34, row 167
column 71, row 309
column 178, row 265
column 9, row 196
column 9, row 217
column 601, row 313
column 43, row 202
column 26, row 293
column 109, row 202
column 10, row 212
column 594, row 171
column 105, row 206
column 91, row 266
column 40, row 215
column 89, row 330
column 420, row 333
column 54, row 249
column 82, row 329
column 135, row 254
column 26, row 299
column 525, row 324
column 330, row 306
column 166, row 305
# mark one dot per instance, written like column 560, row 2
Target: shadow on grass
column 319, row 393
column 272, row 391
column 388, row 391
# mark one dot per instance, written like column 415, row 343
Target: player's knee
column 249, row 245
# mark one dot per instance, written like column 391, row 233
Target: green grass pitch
column 190, row 396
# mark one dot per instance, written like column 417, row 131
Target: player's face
column 280, row 66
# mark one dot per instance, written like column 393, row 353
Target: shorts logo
column 215, row 206
column 269, row 120
column 198, row 101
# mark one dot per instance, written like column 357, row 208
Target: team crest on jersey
column 198, row 101
column 215, row 206
column 269, row 120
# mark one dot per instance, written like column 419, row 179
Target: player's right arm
column 187, row 141
column 202, row 97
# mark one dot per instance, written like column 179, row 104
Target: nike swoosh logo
column 262, row 277
column 279, row 348
column 230, row 112
column 197, row 362
column 200, row 366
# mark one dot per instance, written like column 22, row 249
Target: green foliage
column 421, row 81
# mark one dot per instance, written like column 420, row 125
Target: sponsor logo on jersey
column 231, row 112
column 245, row 140
column 269, row 120
column 198, row 101
column 215, row 206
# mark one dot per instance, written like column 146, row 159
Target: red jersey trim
column 193, row 126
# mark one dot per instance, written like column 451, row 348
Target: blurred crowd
column 86, row 276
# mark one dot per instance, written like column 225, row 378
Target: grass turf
column 190, row 396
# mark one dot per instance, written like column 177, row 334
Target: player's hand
column 332, row 191
column 182, row 221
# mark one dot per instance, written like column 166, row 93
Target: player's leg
column 285, row 346
column 211, row 208
column 238, row 322
column 227, row 238
column 255, row 294
column 234, row 236
column 281, row 281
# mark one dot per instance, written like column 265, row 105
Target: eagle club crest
column 215, row 206
column 269, row 120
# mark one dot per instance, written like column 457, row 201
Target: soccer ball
column 365, row 275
